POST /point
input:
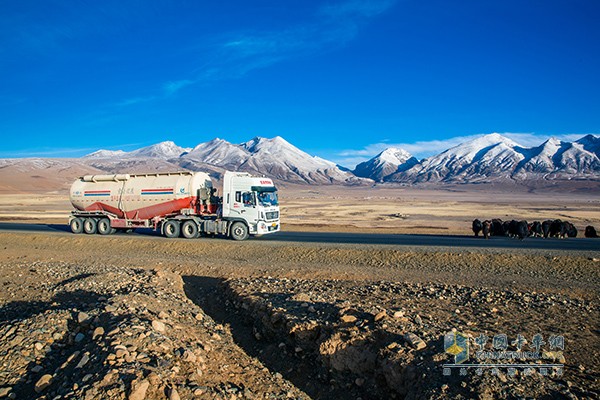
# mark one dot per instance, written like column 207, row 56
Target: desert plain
column 145, row 317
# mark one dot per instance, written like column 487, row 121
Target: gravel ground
column 89, row 317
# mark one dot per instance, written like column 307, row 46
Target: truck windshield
column 267, row 198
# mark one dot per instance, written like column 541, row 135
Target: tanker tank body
column 105, row 203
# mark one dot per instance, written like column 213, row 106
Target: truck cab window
column 267, row 199
column 248, row 198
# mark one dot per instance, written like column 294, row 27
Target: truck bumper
column 263, row 227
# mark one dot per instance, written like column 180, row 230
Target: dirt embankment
column 134, row 317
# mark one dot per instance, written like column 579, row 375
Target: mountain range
column 486, row 159
column 272, row 157
column 489, row 158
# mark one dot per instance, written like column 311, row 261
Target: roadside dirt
column 151, row 318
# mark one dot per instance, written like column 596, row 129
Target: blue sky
column 339, row 79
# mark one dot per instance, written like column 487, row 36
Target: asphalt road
column 569, row 244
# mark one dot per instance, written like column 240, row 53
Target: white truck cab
column 251, row 200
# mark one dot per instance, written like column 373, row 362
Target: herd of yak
column 522, row 229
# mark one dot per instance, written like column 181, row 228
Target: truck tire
column 172, row 229
column 76, row 225
column 104, row 227
column 239, row 231
column 90, row 226
column 189, row 229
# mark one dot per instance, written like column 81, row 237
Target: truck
column 181, row 203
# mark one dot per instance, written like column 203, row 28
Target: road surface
column 569, row 244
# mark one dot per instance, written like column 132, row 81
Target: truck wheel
column 189, row 230
column 239, row 231
column 76, row 225
column 90, row 226
column 104, row 227
column 172, row 229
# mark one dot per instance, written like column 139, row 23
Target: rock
column 5, row 391
column 199, row 317
column 79, row 337
column 98, row 332
column 380, row 315
column 82, row 318
column 418, row 320
column 189, row 356
column 84, row 360
column 139, row 389
column 173, row 395
column 43, row 383
column 163, row 315
column 414, row 341
column 39, row 346
column 158, row 326
column 348, row 319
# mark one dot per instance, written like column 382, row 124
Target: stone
column 39, row 346
column 414, row 341
column 36, row 369
column 380, row 315
column 158, row 326
column 98, row 332
column 79, row 337
column 348, row 319
column 189, row 356
column 418, row 320
column 173, row 395
column 199, row 317
column 139, row 389
column 43, row 383
column 82, row 318
column 84, row 360
column 4, row 391
column 163, row 315
column 398, row 314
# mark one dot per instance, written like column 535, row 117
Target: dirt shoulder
column 213, row 318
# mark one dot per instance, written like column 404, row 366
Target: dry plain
column 145, row 317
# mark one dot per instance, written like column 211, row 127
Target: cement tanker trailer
column 176, row 204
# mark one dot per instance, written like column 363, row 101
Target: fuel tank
column 144, row 196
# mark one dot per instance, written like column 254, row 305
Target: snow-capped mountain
column 278, row 158
column 218, row 152
column 489, row 156
column 493, row 157
column 389, row 161
column 106, row 154
column 164, row 150
column 274, row 157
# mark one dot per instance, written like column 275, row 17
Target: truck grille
column 272, row 215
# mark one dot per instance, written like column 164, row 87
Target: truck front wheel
column 76, row 225
column 239, row 231
column 189, row 230
column 90, row 226
column 172, row 229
